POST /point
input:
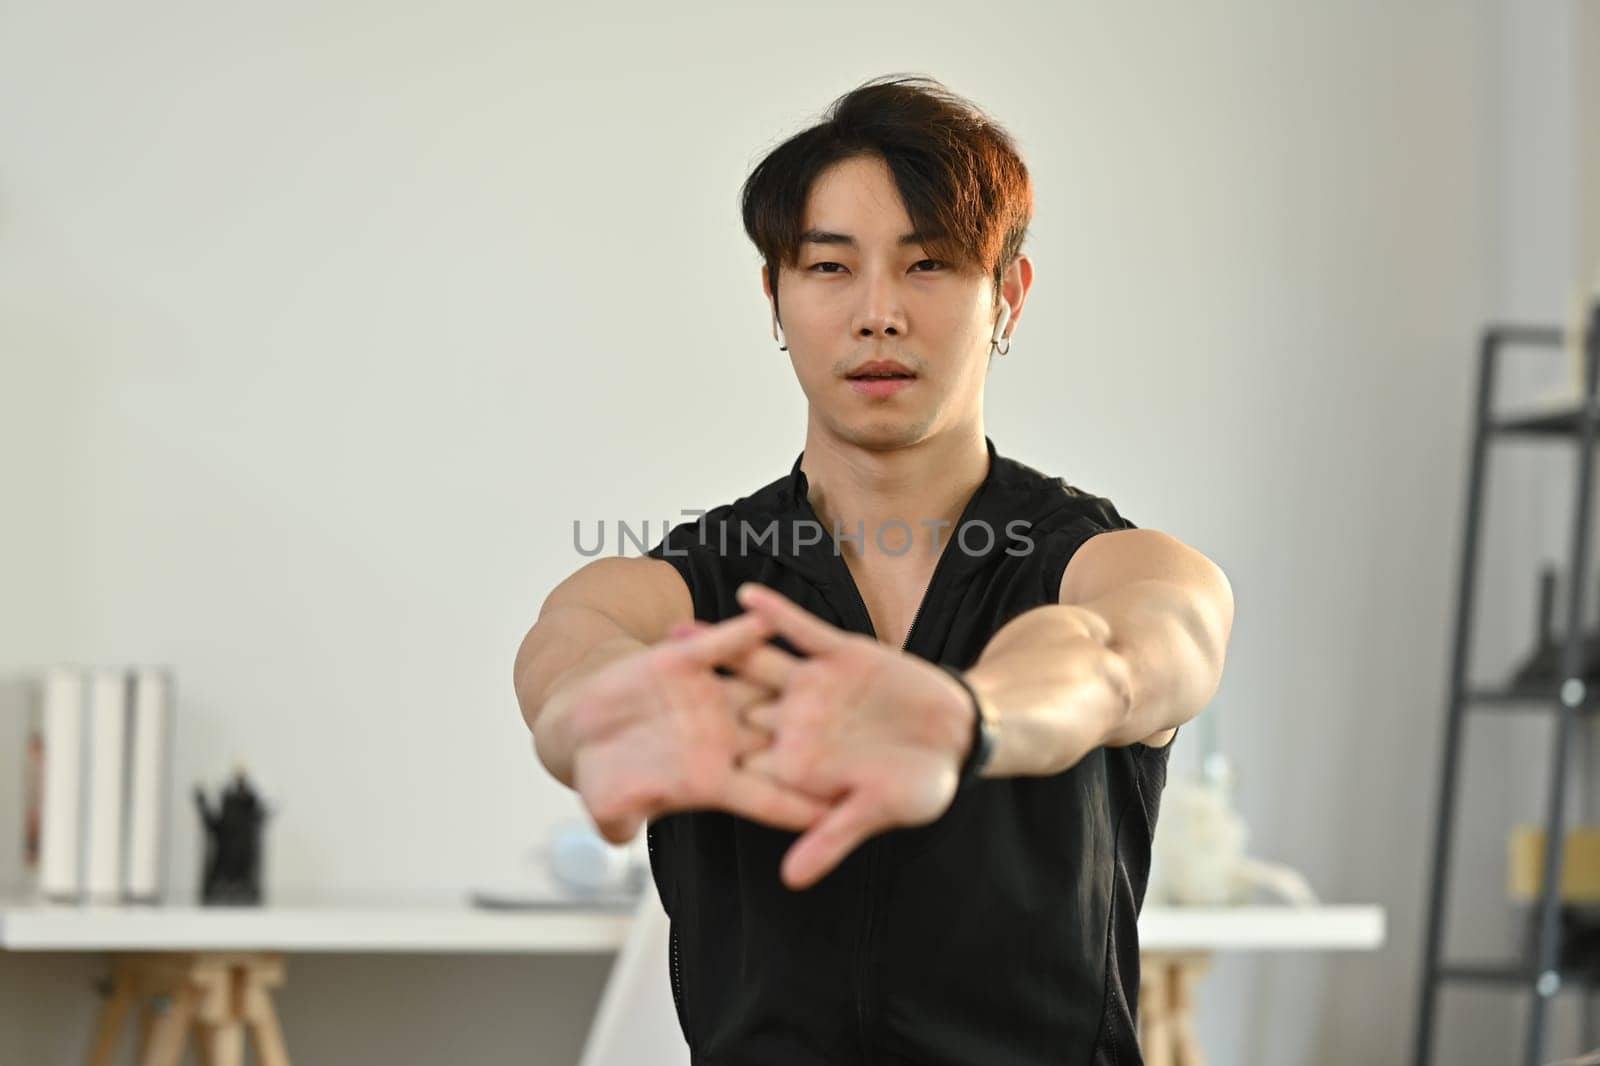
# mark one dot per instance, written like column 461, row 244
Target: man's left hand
column 878, row 733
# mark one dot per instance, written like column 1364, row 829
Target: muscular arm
column 1134, row 649
column 611, row 608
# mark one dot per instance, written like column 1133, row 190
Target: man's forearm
column 547, row 710
column 1064, row 679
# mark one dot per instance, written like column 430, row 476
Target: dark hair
column 964, row 185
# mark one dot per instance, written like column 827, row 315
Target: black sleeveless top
column 1001, row 934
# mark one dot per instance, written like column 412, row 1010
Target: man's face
column 846, row 304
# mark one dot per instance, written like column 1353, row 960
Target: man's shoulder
column 1051, row 501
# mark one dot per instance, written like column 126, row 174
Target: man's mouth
column 881, row 370
column 881, row 384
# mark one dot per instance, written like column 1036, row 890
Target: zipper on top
column 677, row 978
column 855, row 590
column 873, row 846
column 675, row 962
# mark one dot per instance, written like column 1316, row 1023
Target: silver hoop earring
column 999, row 350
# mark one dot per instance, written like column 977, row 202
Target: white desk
column 209, row 972
column 185, row 954
column 466, row 929
column 1176, row 945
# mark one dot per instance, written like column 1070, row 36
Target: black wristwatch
column 982, row 747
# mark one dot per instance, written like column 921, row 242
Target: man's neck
column 925, row 486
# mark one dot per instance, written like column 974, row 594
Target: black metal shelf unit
column 1539, row 976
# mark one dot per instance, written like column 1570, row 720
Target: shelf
column 1529, row 699
column 1566, row 423
column 1506, row 974
column 1524, row 336
column 1574, row 418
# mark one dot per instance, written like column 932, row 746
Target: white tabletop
column 1349, row 927
column 448, row 928
column 359, row 929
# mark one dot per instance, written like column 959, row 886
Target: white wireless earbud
column 997, row 336
column 777, row 331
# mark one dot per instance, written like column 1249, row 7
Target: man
column 900, row 777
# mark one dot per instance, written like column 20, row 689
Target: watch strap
column 981, row 748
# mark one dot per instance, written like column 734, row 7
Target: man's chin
column 883, row 433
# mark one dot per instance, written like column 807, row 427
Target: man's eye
column 937, row 264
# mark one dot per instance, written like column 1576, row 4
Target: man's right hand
column 661, row 731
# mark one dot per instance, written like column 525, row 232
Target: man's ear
column 772, row 305
column 1015, row 283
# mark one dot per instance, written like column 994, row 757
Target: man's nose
column 880, row 314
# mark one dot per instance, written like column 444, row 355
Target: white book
column 149, row 726
column 60, row 744
column 103, row 777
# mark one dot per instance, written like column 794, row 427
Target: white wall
column 1586, row 106
column 322, row 323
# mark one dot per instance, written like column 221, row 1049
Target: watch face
column 982, row 747
column 986, row 747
